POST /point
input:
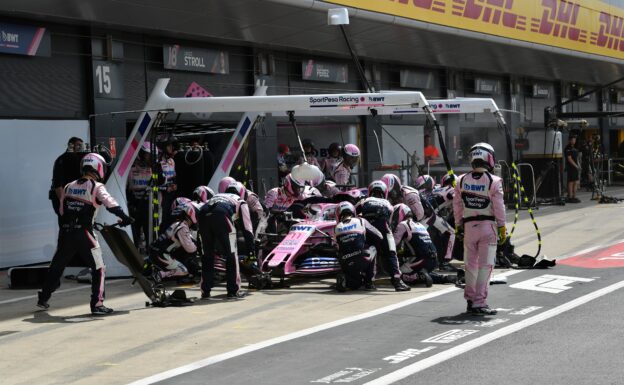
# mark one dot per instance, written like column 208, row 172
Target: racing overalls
column 342, row 174
column 356, row 258
column 217, row 228
column 378, row 212
column 168, row 191
column 478, row 205
column 420, row 252
column 277, row 201
column 256, row 210
column 174, row 251
column 411, row 197
column 329, row 165
column 79, row 205
column 139, row 180
column 432, row 219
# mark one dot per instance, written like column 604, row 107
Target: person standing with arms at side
column 137, row 192
column 572, row 168
column 334, row 156
column 81, row 200
column 479, row 210
column 350, row 158
column 308, row 148
column 66, row 169
column 169, row 186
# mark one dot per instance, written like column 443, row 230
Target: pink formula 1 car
column 308, row 248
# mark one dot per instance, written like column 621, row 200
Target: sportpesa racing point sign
column 591, row 26
column 177, row 57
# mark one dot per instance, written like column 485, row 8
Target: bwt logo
column 454, row 106
column 347, row 228
column 471, row 187
column 77, row 191
column 10, row 37
column 301, row 228
column 376, row 98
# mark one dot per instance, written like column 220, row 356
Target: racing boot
column 341, row 282
column 425, row 278
column 238, row 295
column 399, row 285
column 486, row 310
column 468, row 306
column 41, row 302
column 101, row 310
column 369, row 286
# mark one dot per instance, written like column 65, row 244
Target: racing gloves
column 125, row 219
column 502, row 234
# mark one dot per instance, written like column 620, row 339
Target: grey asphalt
column 367, row 349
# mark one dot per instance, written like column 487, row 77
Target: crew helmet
column 236, row 188
column 344, row 208
column 202, row 194
column 378, row 187
column 292, row 186
column 482, row 156
column 179, row 201
column 351, row 154
column 424, row 182
column 448, row 180
column 225, row 183
column 186, row 211
column 393, row 183
column 93, row 162
column 400, row 213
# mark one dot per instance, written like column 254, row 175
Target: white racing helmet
column 202, row 194
column 94, row 163
column 482, row 156
column 236, row 188
column 344, row 208
column 225, row 183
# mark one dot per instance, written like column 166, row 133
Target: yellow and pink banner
column 590, row 26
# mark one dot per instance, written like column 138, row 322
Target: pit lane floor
column 67, row 345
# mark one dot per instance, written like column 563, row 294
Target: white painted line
column 29, row 297
column 589, row 249
column 477, row 342
column 274, row 341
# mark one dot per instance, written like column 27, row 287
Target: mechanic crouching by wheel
column 357, row 261
column 479, row 209
column 419, row 258
column 217, row 228
column 175, row 251
column 377, row 210
column 79, row 205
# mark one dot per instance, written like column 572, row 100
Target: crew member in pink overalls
column 79, row 205
column 479, row 211
column 350, row 158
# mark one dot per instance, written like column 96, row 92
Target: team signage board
column 24, row 40
column 590, row 26
column 324, row 71
column 177, row 57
